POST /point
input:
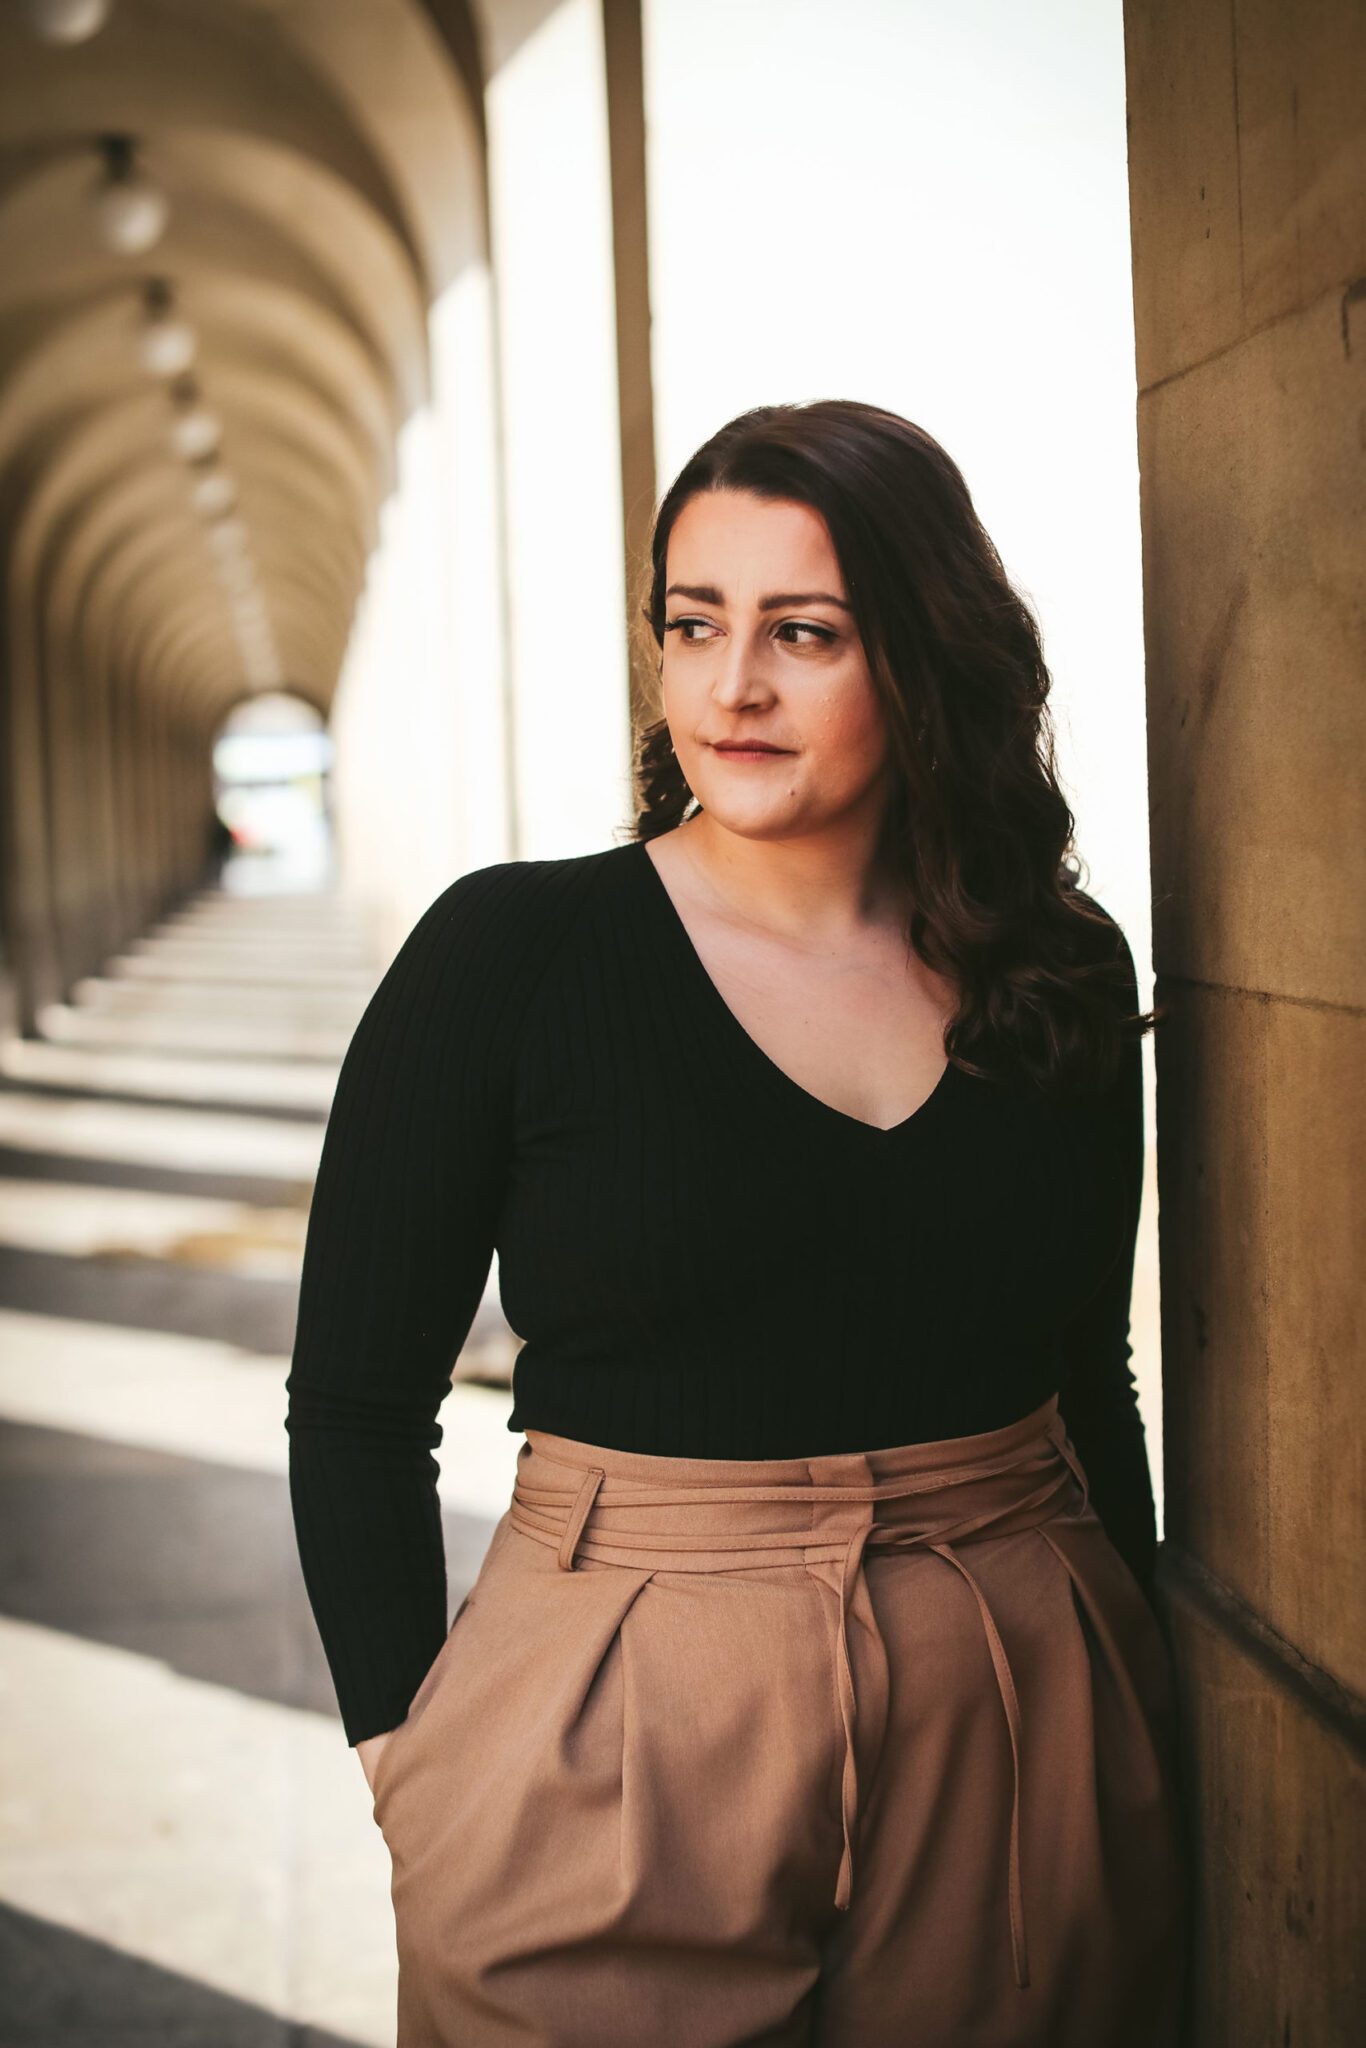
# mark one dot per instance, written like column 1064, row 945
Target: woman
column 809, row 1690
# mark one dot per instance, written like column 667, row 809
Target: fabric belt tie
column 572, row 1524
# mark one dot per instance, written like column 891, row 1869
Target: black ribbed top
column 701, row 1258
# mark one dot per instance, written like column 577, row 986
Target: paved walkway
column 187, row 1855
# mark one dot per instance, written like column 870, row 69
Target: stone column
column 1248, row 203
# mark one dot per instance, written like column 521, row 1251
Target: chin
column 750, row 821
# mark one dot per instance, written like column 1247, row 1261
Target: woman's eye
column 819, row 635
column 822, row 634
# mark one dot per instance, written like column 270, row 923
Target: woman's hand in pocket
column 370, row 1751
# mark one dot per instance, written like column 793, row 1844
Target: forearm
column 368, row 1528
column 398, row 1251
column 1111, row 1442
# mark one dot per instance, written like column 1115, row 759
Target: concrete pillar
column 624, row 58
column 549, row 163
column 143, row 823
column 25, row 867
column 1248, row 202
column 117, row 797
column 66, row 765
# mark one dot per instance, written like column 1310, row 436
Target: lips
column 747, row 747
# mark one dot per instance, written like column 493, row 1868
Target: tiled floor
column 187, row 1854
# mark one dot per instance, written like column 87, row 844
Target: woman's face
column 759, row 644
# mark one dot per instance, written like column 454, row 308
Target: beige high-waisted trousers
column 873, row 1750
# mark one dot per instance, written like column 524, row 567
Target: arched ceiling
column 322, row 161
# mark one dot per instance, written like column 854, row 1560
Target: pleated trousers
column 872, row 1750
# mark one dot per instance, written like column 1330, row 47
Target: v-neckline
column 763, row 1062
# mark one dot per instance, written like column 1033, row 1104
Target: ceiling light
column 212, row 492
column 66, row 21
column 166, row 343
column 130, row 211
column 167, row 347
column 227, row 537
column 195, row 432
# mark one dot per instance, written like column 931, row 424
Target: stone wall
column 1248, row 205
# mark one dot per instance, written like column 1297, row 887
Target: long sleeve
column 1098, row 1391
column 399, row 1246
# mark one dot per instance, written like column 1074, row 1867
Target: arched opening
column 272, row 761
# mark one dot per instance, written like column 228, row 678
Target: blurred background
column 345, row 349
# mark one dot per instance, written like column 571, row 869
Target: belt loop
column 578, row 1515
column 1057, row 1429
column 848, row 1705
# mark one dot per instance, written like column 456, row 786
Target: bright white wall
column 483, row 709
column 474, row 650
column 925, row 206
column 420, row 776
column 552, row 244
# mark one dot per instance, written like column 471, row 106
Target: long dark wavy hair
column 977, row 827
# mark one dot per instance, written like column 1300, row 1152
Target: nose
column 738, row 675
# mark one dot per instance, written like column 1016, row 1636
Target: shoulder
column 519, row 894
column 1100, row 936
column 502, row 919
column 1102, row 949
column 465, row 975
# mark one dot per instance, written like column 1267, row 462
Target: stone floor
column 187, row 1853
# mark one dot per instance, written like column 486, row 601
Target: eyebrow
column 707, row 593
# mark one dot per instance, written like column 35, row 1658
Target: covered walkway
column 346, row 347
column 187, row 1853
